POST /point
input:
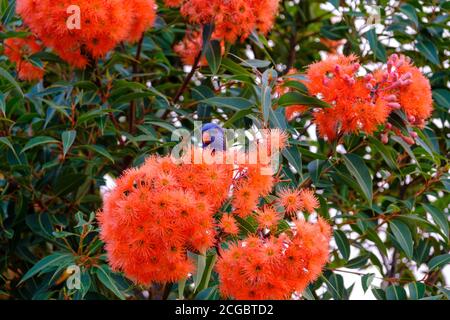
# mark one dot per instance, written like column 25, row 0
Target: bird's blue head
column 213, row 137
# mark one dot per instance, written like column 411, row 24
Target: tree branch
column 132, row 110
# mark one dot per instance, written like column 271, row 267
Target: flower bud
column 391, row 98
column 407, row 76
column 408, row 140
column 394, row 105
column 337, row 69
column 368, row 77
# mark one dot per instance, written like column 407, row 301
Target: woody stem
column 132, row 110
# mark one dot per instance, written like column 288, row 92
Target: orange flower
column 354, row 106
column 158, row 211
column 233, row 19
column 190, row 47
column 267, row 217
column 18, row 50
column 415, row 97
column 245, row 199
column 276, row 267
column 309, row 200
column 155, row 213
column 361, row 104
column 104, row 23
column 228, row 224
column 290, row 200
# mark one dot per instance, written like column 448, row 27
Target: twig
column 132, row 111
column 185, row 82
column 188, row 78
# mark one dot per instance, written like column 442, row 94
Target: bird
column 213, row 137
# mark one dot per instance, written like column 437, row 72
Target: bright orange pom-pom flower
column 103, row 24
column 233, row 19
column 275, row 267
column 309, row 200
column 361, row 104
column 228, row 224
column 156, row 212
column 290, row 200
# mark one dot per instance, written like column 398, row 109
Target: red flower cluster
column 191, row 45
column 232, row 19
column 168, row 206
column 275, row 267
column 18, row 50
column 158, row 211
column 294, row 200
column 104, row 23
column 363, row 103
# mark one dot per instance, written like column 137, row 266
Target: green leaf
column 68, row 183
column 181, row 286
column 55, row 259
column 247, row 225
column 295, row 98
column 292, row 154
column 100, row 150
column 442, row 98
column 439, row 218
column 7, row 143
column 335, row 284
column 367, row 280
column 2, row 103
column 210, row 262
column 9, row 12
column 385, row 152
column 358, row 169
column 379, row 293
column 104, row 275
column 5, row 74
column 37, row 141
column 234, row 103
column 266, row 98
column 428, row 50
column 439, row 261
column 403, row 236
column 237, row 116
column 378, row 49
column 256, row 63
column 410, row 12
column 395, row 293
column 201, row 265
column 405, row 146
column 416, row 290
column 342, row 243
column 213, row 54
column 210, row 293
column 68, row 137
